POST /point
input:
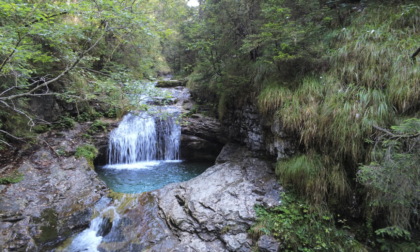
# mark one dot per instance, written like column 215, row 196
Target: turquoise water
column 147, row 176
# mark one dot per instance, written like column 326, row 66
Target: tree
column 73, row 51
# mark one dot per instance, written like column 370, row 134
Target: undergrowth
column 338, row 113
column 87, row 151
column 301, row 227
column 11, row 179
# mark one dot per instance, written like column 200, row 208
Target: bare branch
column 16, row 86
column 413, row 57
column 6, row 143
column 30, row 119
column 94, row 71
column 9, row 57
column 52, row 149
column 12, row 136
column 394, row 135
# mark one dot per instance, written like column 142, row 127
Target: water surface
column 148, row 176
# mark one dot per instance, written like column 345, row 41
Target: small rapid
column 101, row 226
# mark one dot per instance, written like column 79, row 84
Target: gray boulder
column 212, row 212
column 54, row 199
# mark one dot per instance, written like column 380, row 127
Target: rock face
column 53, row 200
column 211, row 212
column 245, row 125
column 202, row 138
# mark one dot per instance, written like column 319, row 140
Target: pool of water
column 148, row 176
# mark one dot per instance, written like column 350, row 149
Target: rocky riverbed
column 212, row 212
column 55, row 197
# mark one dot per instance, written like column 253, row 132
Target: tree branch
column 7, row 59
column 10, row 135
column 413, row 57
column 68, row 69
column 389, row 133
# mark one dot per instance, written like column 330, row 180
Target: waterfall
column 143, row 137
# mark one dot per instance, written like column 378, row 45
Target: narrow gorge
column 209, row 125
column 149, row 207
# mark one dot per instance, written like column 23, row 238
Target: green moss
column 125, row 200
column 170, row 83
column 11, row 179
column 49, row 225
column 41, row 128
column 314, row 176
column 87, row 151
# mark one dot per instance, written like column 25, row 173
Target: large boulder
column 55, row 197
column 202, row 138
column 212, row 212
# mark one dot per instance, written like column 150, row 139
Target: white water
column 143, row 137
column 89, row 239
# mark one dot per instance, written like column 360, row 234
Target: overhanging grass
column 371, row 80
column 314, row 176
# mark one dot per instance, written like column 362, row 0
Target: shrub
column 300, row 227
column 314, row 176
column 87, row 151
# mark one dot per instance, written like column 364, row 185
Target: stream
column 143, row 155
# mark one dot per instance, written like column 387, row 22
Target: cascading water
column 143, row 137
column 90, row 238
column 143, row 155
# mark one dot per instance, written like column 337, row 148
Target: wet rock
column 212, row 212
column 105, row 228
column 245, row 125
column 202, row 138
column 54, row 198
column 268, row 244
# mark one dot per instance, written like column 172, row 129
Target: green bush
column 299, row 227
column 392, row 179
column 87, row 151
column 97, row 126
column 65, row 122
column 314, row 176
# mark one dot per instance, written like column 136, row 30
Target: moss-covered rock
column 170, row 83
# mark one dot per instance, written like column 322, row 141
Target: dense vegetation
column 341, row 75
column 79, row 57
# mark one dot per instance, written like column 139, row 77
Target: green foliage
column 87, row 151
column 11, row 179
column 65, row 122
column 392, row 179
column 97, row 126
column 315, row 177
column 41, row 128
column 395, row 239
column 273, row 97
column 330, row 73
column 364, row 59
column 299, row 227
column 78, row 51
